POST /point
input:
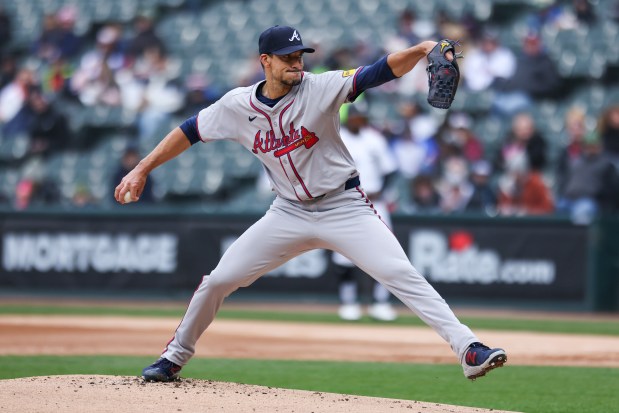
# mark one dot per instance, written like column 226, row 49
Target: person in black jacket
column 536, row 76
column 591, row 182
column 48, row 128
column 484, row 198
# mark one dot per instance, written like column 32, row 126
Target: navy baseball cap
column 281, row 40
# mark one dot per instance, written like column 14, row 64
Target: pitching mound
column 99, row 394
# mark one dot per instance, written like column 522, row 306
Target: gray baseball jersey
column 297, row 140
column 310, row 169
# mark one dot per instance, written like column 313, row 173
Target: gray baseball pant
column 344, row 222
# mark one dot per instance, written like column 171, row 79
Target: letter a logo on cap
column 295, row 35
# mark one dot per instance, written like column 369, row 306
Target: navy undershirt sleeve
column 190, row 129
column 371, row 76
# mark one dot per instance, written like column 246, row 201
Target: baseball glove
column 443, row 74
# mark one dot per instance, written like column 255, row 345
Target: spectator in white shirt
column 488, row 63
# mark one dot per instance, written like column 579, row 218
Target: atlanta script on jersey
column 292, row 139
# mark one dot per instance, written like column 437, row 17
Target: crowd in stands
column 445, row 167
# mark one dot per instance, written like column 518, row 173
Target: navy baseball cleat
column 161, row 370
column 480, row 359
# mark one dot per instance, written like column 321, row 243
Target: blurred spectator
column 424, row 196
column 82, row 198
column 449, row 28
column 410, row 31
column 523, row 141
column 583, row 9
column 31, row 193
column 484, row 198
column 454, row 188
column 44, row 46
column 250, row 72
column 609, row 131
column 200, row 93
column 23, row 193
column 129, row 160
column 457, row 134
column 487, row 63
column 48, row 129
column 145, row 38
column 591, row 182
column 151, row 91
column 522, row 190
column 13, row 98
column 536, row 76
column 93, row 81
column 58, row 39
column 573, row 150
column 35, row 188
column 55, row 78
column 416, row 150
column 562, row 16
column 341, row 58
column 8, row 68
column 5, row 29
column 312, row 62
column 406, row 27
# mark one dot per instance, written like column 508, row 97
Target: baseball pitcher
column 290, row 122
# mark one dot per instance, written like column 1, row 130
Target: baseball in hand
column 128, row 197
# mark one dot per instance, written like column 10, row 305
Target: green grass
column 476, row 323
column 519, row 388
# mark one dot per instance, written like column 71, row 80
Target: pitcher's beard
column 293, row 82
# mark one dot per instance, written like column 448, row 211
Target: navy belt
column 352, row 183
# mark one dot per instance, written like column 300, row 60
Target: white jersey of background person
column 374, row 161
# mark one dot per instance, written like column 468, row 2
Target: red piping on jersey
column 281, row 128
column 353, row 92
column 367, row 201
column 263, row 113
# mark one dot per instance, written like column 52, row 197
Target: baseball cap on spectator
column 281, row 40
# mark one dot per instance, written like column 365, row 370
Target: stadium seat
column 14, row 148
column 583, row 55
column 9, row 177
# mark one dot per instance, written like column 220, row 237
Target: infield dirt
column 82, row 335
column 85, row 335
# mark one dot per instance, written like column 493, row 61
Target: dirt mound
column 115, row 394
